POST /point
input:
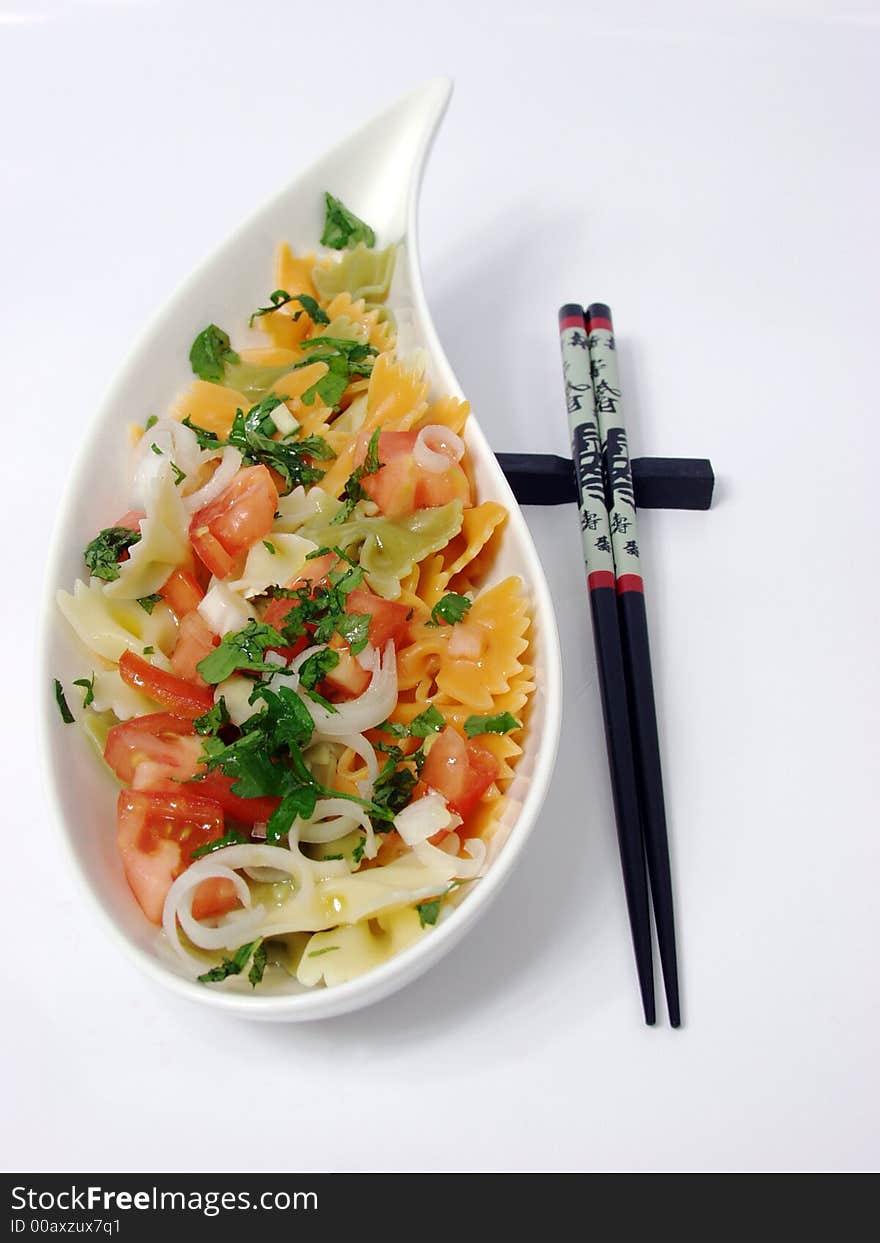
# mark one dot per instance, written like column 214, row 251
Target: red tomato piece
column 349, row 678
column 388, row 619
column 181, row 593
column 132, row 519
column 162, row 744
column 401, row 485
column 222, row 531
column 156, row 835
column 174, row 693
column 195, row 641
column 460, row 770
column 216, row 785
column 313, row 573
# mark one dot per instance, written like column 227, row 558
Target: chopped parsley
column 252, row 434
column 240, row 649
column 358, row 853
column 102, row 554
column 316, row 667
column 269, row 547
column 212, row 721
column 210, row 353
column 179, row 475
column 428, row 911
column 502, row 723
column 156, row 449
column 148, row 603
column 342, row 228
column 343, row 359
column 355, row 629
column 148, row 651
column 237, row 963
column 232, row 838
column 280, row 297
column 328, row 949
column 451, row 609
column 66, row 715
column 394, row 787
column 151, row 422
column 88, row 685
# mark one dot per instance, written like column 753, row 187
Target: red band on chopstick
column 629, row 582
column 599, row 322
column 600, row 578
column 571, row 321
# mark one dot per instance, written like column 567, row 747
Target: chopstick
column 599, row 561
column 634, row 635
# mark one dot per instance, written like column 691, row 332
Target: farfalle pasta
column 293, row 662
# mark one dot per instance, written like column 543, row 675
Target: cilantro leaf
column 179, row 475
column 207, row 440
column 394, row 787
column 241, row 649
column 316, row 667
column 88, row 685
column 502, row 723
column 353, row 492
column 151, row 422
column 102, row 554
column 252, row 434
column 328, row 949
column 231, row 966
column 343, row 359
column 299, row 802
column 212, row 721
column 428, row 911
column 394, row 728
column 209, row 354
column 232, row 838
column 148, row 603
column 270, row 548
column 280, row 297
column 66, row 715
column 451, row 608
column 355, row 629
column 426, row 723
column 358, row 853
column 342, row 228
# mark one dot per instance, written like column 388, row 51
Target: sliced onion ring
column 437, row 448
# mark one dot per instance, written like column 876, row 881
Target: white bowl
column 377, row 172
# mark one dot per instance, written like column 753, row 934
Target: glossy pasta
column 294, row 659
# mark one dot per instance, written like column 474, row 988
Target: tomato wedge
column 217, row 786
column 313, row 573
column 223, row 530
column 402, row 486
column 156, row 835
column 181, row 593
column 388, row 619
column 174, row 693
column 460, row 770
column 153, row 748
column 195, row 641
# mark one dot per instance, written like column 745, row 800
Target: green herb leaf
column 102, row 554
column 148, row 603
column 179, row 475
column 207, row 440
column 451, row 609
column 342, row 228
column 242, row 649
column 353, row 492
column 428, row 912
column 280, row 297
column 328, row 949
column 358, row 853
column 355, row 629
column 269, row 547
column 316, row 667
column 212, row 721
column 156, row 450
column 428, row 722
column 502, row 723
column 151, row 422
column 148, row 651
column 252, row 435
column 231, row 966
column 258, row 966
column 232, row 838
column 210, row 353
column 88, row 685
column 66, row 715
column 394, row 787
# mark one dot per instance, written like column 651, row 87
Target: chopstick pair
column 607, row 513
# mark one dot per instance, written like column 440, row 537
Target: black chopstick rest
column 658, row 482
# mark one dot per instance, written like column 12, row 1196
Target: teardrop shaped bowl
column 377, row 172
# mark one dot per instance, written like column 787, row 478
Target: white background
column 711, row 172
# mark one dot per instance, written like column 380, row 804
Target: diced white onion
column 356, row 715
column 176, row 443
column 284, row 420
column 219, row 481
column 468, row 641
column 437, row 448
column 224, row 609
column 423, row 818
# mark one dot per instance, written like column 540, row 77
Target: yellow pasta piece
column 450, row 412
column 378, row 332
column 210, row 406
column 294, row 275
